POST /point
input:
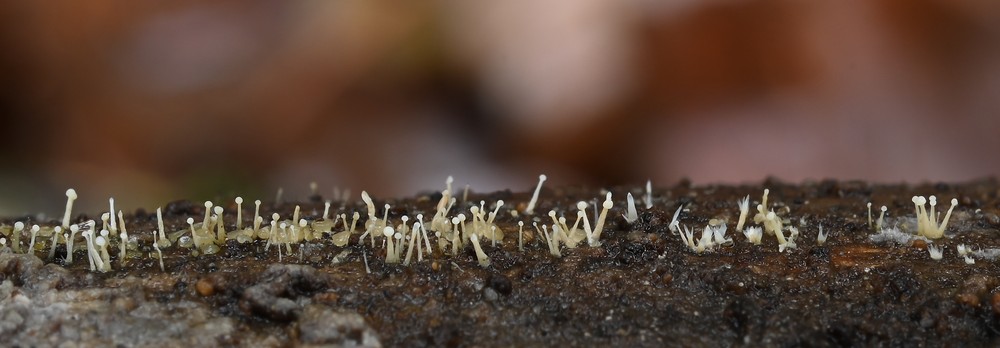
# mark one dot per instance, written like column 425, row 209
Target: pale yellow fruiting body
column 484, row 260
column 239, row 213
column 881, row 218
column 927, row 224
column 599, row 226
column 870, row 215
column 114, row 220
column 56, row 232
column 530, row 209
column 34, row 233
column 70, row 197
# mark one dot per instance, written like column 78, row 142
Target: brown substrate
column 643, row 287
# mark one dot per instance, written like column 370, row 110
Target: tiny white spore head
column 388, row 231
column 208, row 204
column 71, row 194
column 239, row 200
column 218, row 210
column 190, row 221
column 18, row 226
column 581, row 205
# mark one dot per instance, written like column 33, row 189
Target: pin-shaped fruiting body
column 70, row 197
column 534, row 197
column 73, row 229
column 927, row 224
column 220, row 226
column 122, row 238
column 56, row 232
column 34, row 233
column 631, row 216
column 881, row 218
column 595, row 241
column 390, row 251
column 163, row 241
column 208, row 215
column 369, row 204
column 114, row 221
column 484, row 260
column 870, row 215
column 520, row 235
column 744, row 205
column 239, row 213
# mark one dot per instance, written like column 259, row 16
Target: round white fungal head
column 581, row 205
column 282, row 225
column 190, row 221
column 869, row 204
column 915, row 200
column 302, row 223
column 449, row 180
column 520, row 223
column 388, row 231
column 260, row 219
column 405, row 218
column 35, row 228
column 461, row 217
column 3, row 241
column 552, row 213
column 105, row 233
column 398, row 236
column 256, row 202
column 474, row 238
column 474, row 209
column 386, row 206
column 454, row 221
column 101, row 241
column 71, row 194
column 57, row 229
column 208, row 204
column 922, row 200
column 499, row 203
column 770, row 215
column 607, row 202
column 74, row 228
column 562, row 220
column 218, row 210
column 954, row 201
column 105, row 217
column 420, row 216
column 18, row 226
column 275, row 217
column 884, row 208
column 239, row 200
column 933, row 200
column 542, row 178
column 122, row 236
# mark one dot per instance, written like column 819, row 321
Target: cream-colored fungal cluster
column 450, row 230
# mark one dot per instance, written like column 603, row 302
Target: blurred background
column 154, row 101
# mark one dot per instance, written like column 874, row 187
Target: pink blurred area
column 149, row 102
